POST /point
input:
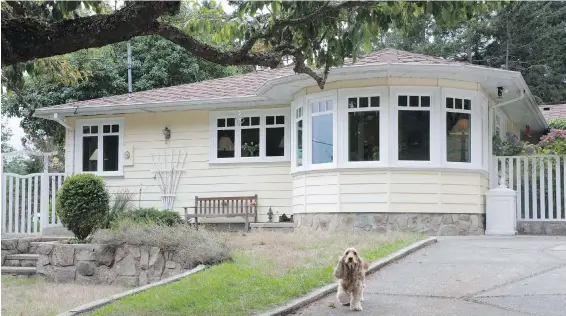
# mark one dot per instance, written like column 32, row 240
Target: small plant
column 82, row 204
column 121, row 202
column 558, row 123
column 149, row 216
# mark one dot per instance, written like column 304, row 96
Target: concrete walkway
column 467, row 276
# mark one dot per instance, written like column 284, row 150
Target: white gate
column 28, row 201
column 540, row 182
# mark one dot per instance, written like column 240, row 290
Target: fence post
column 4, row 200
column 44, row 195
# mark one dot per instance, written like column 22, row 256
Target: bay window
column 258, row 135
column 99, row 146
column 322, row 134
column 458, row 129
column 414, row 127
column 363, row 128
column 299, row 136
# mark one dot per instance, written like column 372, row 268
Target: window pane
column 414, row 101
column 280, row 119
column 250, row 142
column 364, row 102
column 322, row 142
column 86, row 129
column 414, row 135
column 226, row 143
column 374, row 101
column 255, row 120
column 329, row 105
column 402, row 100
column 106, row 129
column 221, row 123
column 458, row 104
column 352, row 103
column 270, row 120
column 314, row 107
column 467, row 104
column 363, row 136
column 299, row 143
column 94, row 129
column 110, row 152
column 230, row 122
column 450, row 103
column 458, row 137
column 115, row 128
column 275, row 142
column 425, row 102
column 246, row 121
column 90, row 153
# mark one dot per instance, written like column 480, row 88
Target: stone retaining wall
column 14, row 246
column 541, row 228
column 105, row 264
column 431, row 224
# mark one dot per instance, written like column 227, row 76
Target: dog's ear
column 339, row 270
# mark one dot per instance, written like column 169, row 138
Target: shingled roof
column 245, row 85
column 553, row 111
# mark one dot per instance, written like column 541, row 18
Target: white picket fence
column 540, row 182
column 28, row 202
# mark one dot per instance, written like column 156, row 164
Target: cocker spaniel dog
column 351, row 274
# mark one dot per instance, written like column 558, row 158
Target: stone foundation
column 541, row 228
column 431, row 224
column 105, row 264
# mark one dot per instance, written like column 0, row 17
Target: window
column 299, row 135
column 322, row 135
column 363, row 128
column 99, row 146
column 254, row 135
column 414, row 127
column 458, row 129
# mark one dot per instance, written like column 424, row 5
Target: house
column 553, row 111
column 396, row 140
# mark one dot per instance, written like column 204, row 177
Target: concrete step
column 18, row 270
column 22, row 256
column 54, row 238
column 21, row 260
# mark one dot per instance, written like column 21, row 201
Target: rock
column 448, row 230
column 536, row 228
column 345, row 222
column 176, row 269
column 464, row 227
column 106, row 275
column 435, row 221
column 81, row 279
column 28, row 263
column 144, row 258
column 447, row 219
column 23, row 245
column 127, row 266
column 324, row 222
column 465, row 218
column 9, row 244
column 134, row 251
column 127, row 281
column 362, row 223
column 85, row 268
column 43, row 260
column 455, row 218
column 475, row 222
column 156, row 264
column 104, row 255
column 66, row 274
column 379, row 229
column 62, row 255
column 120, row 254
column 143, row 280
column 11, row 263
column 47, row 272
column 524, row 228
column 414, row 223
column 86, row 253
column 170, row 265
column 379, row 219
column 44, row 248
column 154, row 255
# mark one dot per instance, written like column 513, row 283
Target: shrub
column 150, row 215
column 191, row 247
column 558, row 123
column 82, row 204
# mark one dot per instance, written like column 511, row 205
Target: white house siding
column 190, row 132
column 394, row 191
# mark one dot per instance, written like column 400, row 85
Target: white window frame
column 295, row 105
column 262, row 113
column 501, row 120
column 79, row 144
column 343, row 130
column 307, row 118
column 435, row 146
column 476, row 148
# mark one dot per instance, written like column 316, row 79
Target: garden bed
column 267, row 269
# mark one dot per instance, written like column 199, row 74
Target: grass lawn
column 268, row 269
column 34, row 297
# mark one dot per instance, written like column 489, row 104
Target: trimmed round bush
column 82, row 203
column 150, row 215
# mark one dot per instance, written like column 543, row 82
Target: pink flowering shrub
column 553, row 143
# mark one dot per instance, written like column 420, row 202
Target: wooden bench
column 239, row 206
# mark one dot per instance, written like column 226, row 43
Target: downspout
column 519, row 98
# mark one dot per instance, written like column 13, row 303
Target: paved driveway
column 467, row 276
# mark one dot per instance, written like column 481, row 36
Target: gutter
column 519, row 98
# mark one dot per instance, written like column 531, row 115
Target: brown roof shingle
column 553, row 111
column 246, row 84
